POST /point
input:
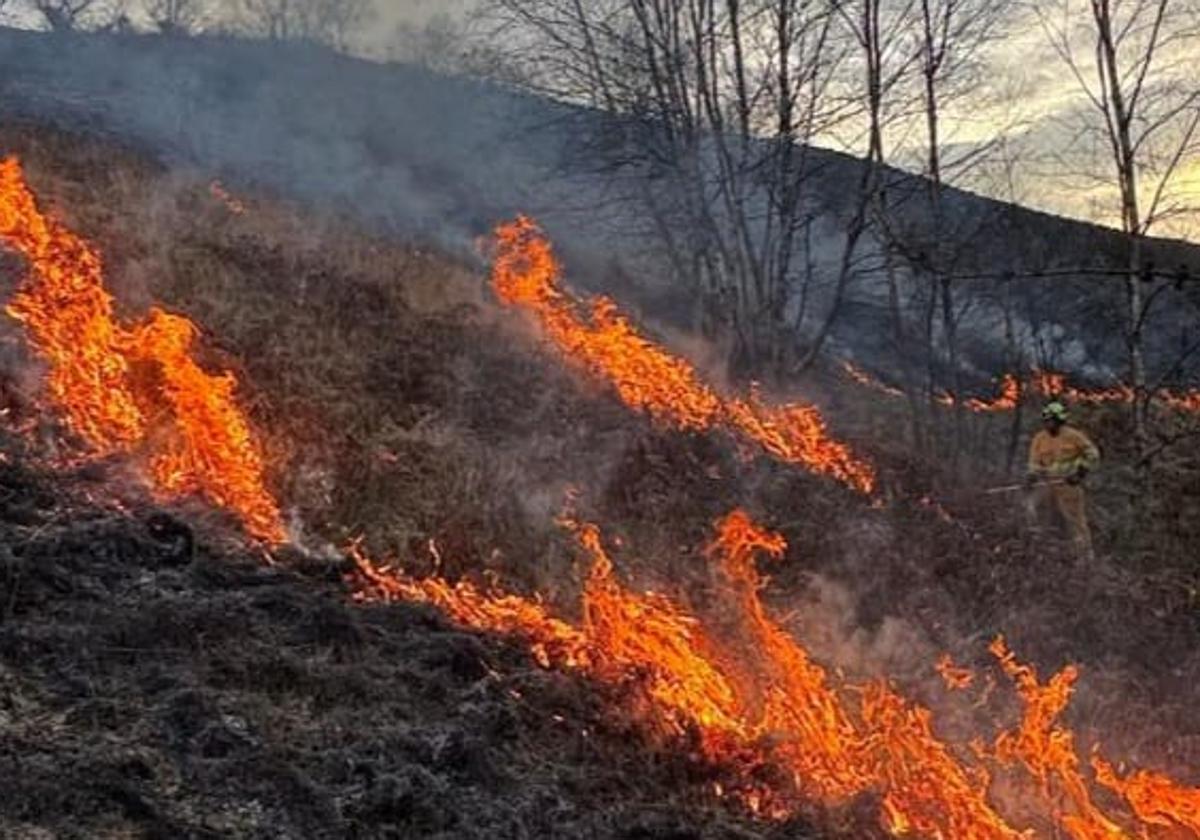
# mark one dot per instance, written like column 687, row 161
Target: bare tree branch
column 1149, row 119
column 331, row 22
column 177, row 17
column 63, row 15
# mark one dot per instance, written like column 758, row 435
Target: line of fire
column 725, row 679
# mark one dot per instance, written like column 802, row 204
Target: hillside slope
column 442, row 159
column 161, row 677
column 150, row 690
column 400, row 405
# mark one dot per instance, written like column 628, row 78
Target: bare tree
column 950, row 36
column 331, row 22
column 715, row 105
column 73, row 15
column 1142, row 98
column 177, row 17
column 64, row 15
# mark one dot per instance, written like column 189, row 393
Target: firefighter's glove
column 1077, row 477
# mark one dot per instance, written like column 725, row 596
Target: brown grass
column 398, row 404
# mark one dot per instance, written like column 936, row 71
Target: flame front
column 1157, row 799
column 69, row 317
column 595, row 335
column 203, row 443
column 1045, row 384
column 730, row 674
column 212, row 451
column 1047, row 749
column 755, row 698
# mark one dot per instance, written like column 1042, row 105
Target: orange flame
column 955, row 678
column 1156, row 799
column 754, row 697
column 1054, row 386
column 650, row 634
column 213, row 451
column 69, row 317
column 233, row 204
column 732, row 675
column 865, row 379
column 554, row 642
column 1010, row 397
column 206, row 444
column 1047, row 749
column 647, row 377
column 1044, row 383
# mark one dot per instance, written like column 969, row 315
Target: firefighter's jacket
column 1061, row 455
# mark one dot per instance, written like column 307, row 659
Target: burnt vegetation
column 145, row 696
column 158, row 679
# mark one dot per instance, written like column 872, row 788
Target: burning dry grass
column 752, row 697
column 648, row 377
column 149, row 694
column 200, row 441
column 397, row 404
column 1039, row 385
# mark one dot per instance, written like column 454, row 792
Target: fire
column 754, row 698
column 782, row 687
column 1046, row 384
column 69, row 317
column 1047, row 749
column 1010, row 397
column 1188, row 402
column 232, row 203
column 955, row 678
column 1156, row 799
column 130, row 390
column 928, row 789
column 729, row 678
column 554, row 642
column 1054, row 386
column 213, row 450
column 650, row 634
column 598, row 337
column 865, row 379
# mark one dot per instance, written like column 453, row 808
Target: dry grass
column 398, row 404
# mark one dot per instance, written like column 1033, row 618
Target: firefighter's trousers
column 1067, row 503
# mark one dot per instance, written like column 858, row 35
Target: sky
column 1038, row 106
column 1050, row 103
column 420, row 11
column 1038, row 111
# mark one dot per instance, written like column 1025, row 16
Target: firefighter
column 1060, row 458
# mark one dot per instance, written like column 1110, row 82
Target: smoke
column 413, row 154
column 435, row 159
column 441, row 159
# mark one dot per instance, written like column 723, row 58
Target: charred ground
column 152, row 688
column 146, row 694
